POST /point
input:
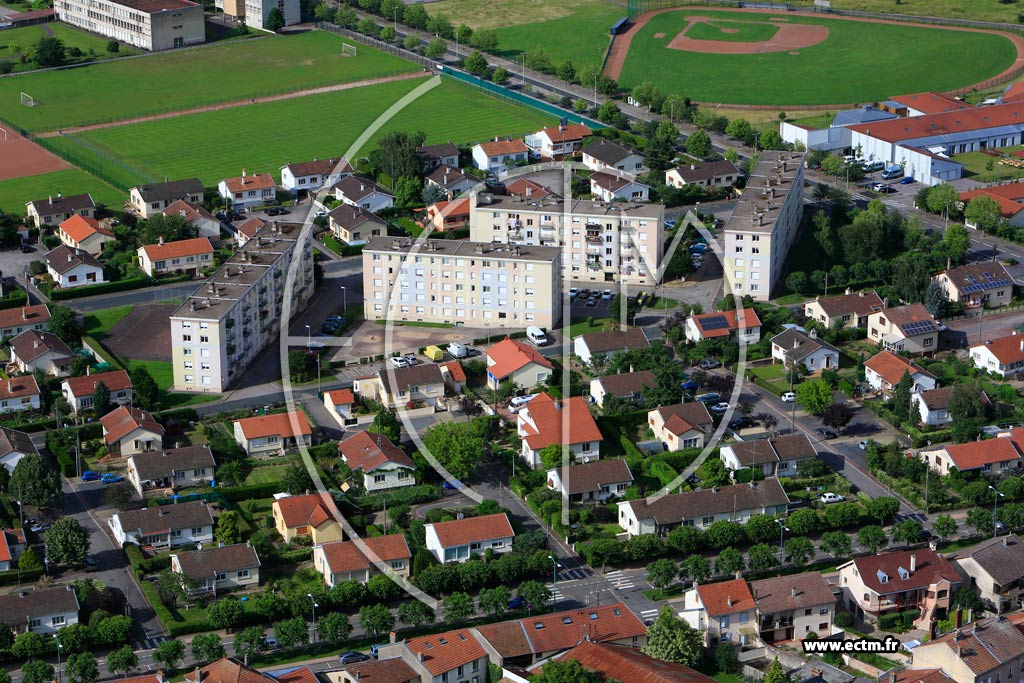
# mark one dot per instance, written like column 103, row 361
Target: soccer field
column 858, row 61
column 15, row 193
column 184, row 79
column 263, row 137
column 27, row 37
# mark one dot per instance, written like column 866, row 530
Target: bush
column 843, row 619
column 101, row 288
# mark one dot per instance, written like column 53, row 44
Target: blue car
column 111, row 478
column 515, row 603
column 690, row 385
column 89, row 475
column 906, row 180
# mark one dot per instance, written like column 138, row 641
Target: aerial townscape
column 538, row 341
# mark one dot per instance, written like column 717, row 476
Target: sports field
column 26, row 37
column 736, row 31
column 849, row 61
column 16, row 192
column 264, row 137
column 188, row 78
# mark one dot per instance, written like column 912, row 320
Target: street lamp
column 59, row 649
column 554, row 580
column 344, row 300
column 312, row 600
column 782, row 531
column 309, row 337
column 995, row 507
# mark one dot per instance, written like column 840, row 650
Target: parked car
column 89, row 475
column 411, row 359
column 825, row 433
column 641, row 299
column 519, row 401
column 277, row 211
column 698, row 248
column 90, row 565
column 584, row 293
column 272, row 643
column 887, row 189
column 831, row 498
column 710, row 364
column 741, row 422
column 111, row 478
column 788, row 397
column 399, row 362
column 690, row 385
column 906, row 180
column 606, row 295
column 515, row 603
column 592, row 301
column 39, row 527
column 352, row 657
column 720, row 407
column 863, row 445
column 710, row 397
column 573, row 293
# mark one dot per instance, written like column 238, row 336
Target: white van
column 536, row 335
column 458, row 350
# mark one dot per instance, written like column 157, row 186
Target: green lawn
column 976, row 167
column 584, row 327
column 24, row 38
column 733, row 31
column 98, row 323
column 15, row 193
column 221, row 143
column 265, row 475
column 189, row 78
column 847, row 67
column 581, row 37
column 161, row 371
column 975, row 10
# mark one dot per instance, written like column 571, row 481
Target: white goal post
column 348, row 50
column 27, row 100
column 4, row 131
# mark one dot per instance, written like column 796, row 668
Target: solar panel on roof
column 918, row 327
column 717, row 322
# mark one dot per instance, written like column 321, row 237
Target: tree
column 170, row 228
column 814, row 396
column 698, row 144
column 386, row 424
column 388, row 34
column 775, row 674
column 456, row 446
column 566, row 72
column 113, row 47
column 872, row 537
column 345, row 16
column 440, row 25
column 837, row 416
column 944, row 199
column 761, row 557
column 28, row 645
column 884, row 508
column 476, row 64
column 799, row 550
column 81, row 667
column 296, row 479
column 226, row 612
column 124, row 660
column 902, row 395
column 64, row 325
column 229, row 526
column 457, row 607
column 367, row 26
column 983, row 212
column 803, row 522
column 957, row 240
column 101, row 399
column 965, row 598
column 485, row 39
column 567, row 671
column 771, row 139
column 697, row 567
column 382, row 589
column 729, row 561
column 534, row 594
column 67, row 542
column 4, row 676
column 376, row 619
column 275, row 20
column 741, row 130
column 334, row 628
column 291, row 632
column 50, row 52
column 250, row 643
column 495, row 600
column 836, row 543
column 37, row 671
column 671, row 639
column 396, row 155
column 944, row 526
column 173, row 587
column 966, row 411
column 978, row 518
column 411, row 43
column 169, row 653
column 661, row 573
column 415, row 613
column 908, row 532
column 727, row 659
column 74, row 638
column 206, row 647
column 29, row 561
column 685, row 539
column 33, row 482
column 610, row 113
column 723, row 534
column 114, row 629
column 500, row 75
column 436, row 48
column 797, row 282
column 415, row 16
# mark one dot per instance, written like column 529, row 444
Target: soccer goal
column 28, row 100
column 348, row 50
column 3, row 132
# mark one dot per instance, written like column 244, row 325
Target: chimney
column 160, row 240
column 51, row 200
column 913, row 563
column 1006, row 542
column 199, row 675
column 792, row 592
column 892, row 676
column 816, row 673
column 88, row 370
column 860, row 294
column 728, row 601
column 949, row 262
column 392, row 637
column 693, row 167
column 420, row 656
column 35, row 344
column 10, row 390
column 796, row 343
column 70, row 257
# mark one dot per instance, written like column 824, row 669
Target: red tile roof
column 931, row 567
column 510, row 355
column 930, row 102
column 1013, row 93
column 923, row 676
column 244, row 183
column 190, row 212
column 178, row 249
column 346, row 556
column 280, row 424
column 562, row 630
column 1004, row 195
column 624, row 663
column 983, row 645
column 528, row 188
column 18, row 387
column 749, row 316
column 79, row 228
column 501, row 147
column 891, row 367
column 974, row 455
column 455, row 369
column 570, row 133
column 443, row 652
column 115, row 380
column 308, row 510
column 5, row 551
column 1008, row 349
column 367, row 452
column 228, row 670
column 472, row 529
column 456, row 208
column 558, row 422
column 726, row 597
column 386, row 671
column 250, row 227
column 684, row 417
column 947, row 123
column 123, row 420
column 342, row 397
column 24, row 316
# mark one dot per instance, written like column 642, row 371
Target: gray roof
column 13, row 441
column 446, row 176
column 761, row 451
column 462, row 248
column 60, row 205
column 396, row 380
column 21, row 606
column 795, row 591
column 673, row 509
column 592, row 475
column 64, row 258
column 445, row 149
column 200, row 565
column 355, row 188
column 160, row 464
column 31, row 344
column 1002, row 558
column 350, row 217
column 796, row 345
column 165, row 517
column 171, row 190
column 775, row 175
column 608, row 152
column 862, row 115
column 627, row 383
column 712, row 169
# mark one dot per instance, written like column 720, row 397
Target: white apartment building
column 222, row 327
column 620, row 242
column 257, row 12
column 479, row 284
column 764, row 225
column 146, row 24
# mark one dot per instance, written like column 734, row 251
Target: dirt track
column 20, row 157
column 789, row 37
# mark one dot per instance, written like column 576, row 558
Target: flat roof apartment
column 613, row 242
column 764, row 225
column 479, row 284
column 146, row 24
column 221, row 328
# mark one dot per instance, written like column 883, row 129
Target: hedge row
column 16, row 299
column 14, row 577
column 101, row 288
column 235, row 494
column 896, row 620
column 411, row 495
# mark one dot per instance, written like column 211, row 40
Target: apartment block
column 258, row 11
column 478, row 284
column 146, row 24
column 600, row 242
column 764, row 225
column 236, row 313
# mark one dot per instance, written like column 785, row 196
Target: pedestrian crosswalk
column 151, row 643
column 574, row 574
column 620, row 580
column 648, row 614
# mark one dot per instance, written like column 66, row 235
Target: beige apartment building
column 222, row 327
column 478, row 284
column 764, row 225
column 146, row 24
column 600, row 242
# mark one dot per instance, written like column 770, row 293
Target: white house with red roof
column 247, row 230
column 448, row 215
column 460, row 539
column 82, row 232
column 383, row 465
column 186, row 256
column 267, row 435
column 340, row 402
column 79, row 391
column 312, row 514
column 899, row 581
column 14, row 321
column 1009, row 197
column 609, row 186
column 195, row 216
column 681, row 426
column 885, row 369
column 1001, row 456
column 545, row 421
column 498, row 156
column 516, row 362
column 340, row 561
column 450, row 657
column 1003, row 356
column 558, row 142
column 742, row 325
column 19, row 393
column 310, row 176
column 12, row 545
column 131, row 430
column 246, row 191
column 725, row 612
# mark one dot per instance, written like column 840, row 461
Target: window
column 197, row 531
column 221, row 576
column 724, row 622
column 243, row 573
column 186, row 337
column 379, row 478
column 707, row 520
column 57, row 621
column 199, row 472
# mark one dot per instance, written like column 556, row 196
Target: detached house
column 383, row 465
column 19, row 393
column 977, row 285
column 269, row 435
column 610, row 186
column 712, row 174
column 593, row 482
column 12, row 545
column 340, row 561
column 848, row 310
column 73, row 267
column 187, row 256
column 898, row 581
column 625, row 663
column 775, row 457
column 131, row 430
column 309, row 515
column 1003, row 356
column 400, row 386
column 741, row 325
column 793, row 607
column 31, row 351
column 44, row 611
column 628, row 386
column 995, row 568
column 724, row 611
column 355, row 225
column 247, row 230
column 460, row 539
column 310, row 176
column 149, row 200
column 14, row 445
column 792, row 347
column 452, row 181
column 196, row 217
column 363, row 193
column 52, row 211
column 445, row 154
column 681, row 426
column 448, row 215
column 606, row 344
column 247, row 191
column 557, row 143
column 983, row 651
column 1003, row 455
column 79, row 391
column 516, row 362
column 933, row 405
column 341, row 402
column 500, row 155
column 545, row 421
column 224, row 568
column 701, row 508
column 176, row 468
column 603, row 154
column 908, row 328
column 164, row 526
column 14, row 321
column 884, row 370
column 449, row 657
